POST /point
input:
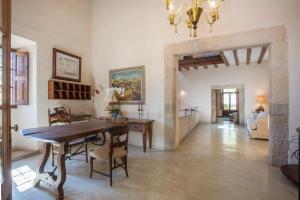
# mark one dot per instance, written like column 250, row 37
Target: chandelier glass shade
column 193, row 13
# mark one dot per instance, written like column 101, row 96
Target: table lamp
column 261, row 100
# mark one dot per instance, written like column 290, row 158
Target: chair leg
column 70, row 152
column 125, row 162
column 86, row 152
column 52, row 152
column 92, row 166
column 104, row 138
column 110, row 171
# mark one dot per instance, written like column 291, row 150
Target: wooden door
column 5, row 29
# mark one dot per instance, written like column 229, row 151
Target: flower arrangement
column 114, row 108
column 114, row 91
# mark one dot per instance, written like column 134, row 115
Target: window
column 19, row 77
column 229, row 90
column 230, row 99
column 226, row 101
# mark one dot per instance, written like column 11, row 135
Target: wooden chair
column 62, row 116
column 114, row 150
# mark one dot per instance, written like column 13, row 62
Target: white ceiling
column 242, row 55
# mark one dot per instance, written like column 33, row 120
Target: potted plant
column 291, row 171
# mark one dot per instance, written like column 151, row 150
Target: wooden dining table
column 62, row 135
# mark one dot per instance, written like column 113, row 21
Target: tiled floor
column 216, row 162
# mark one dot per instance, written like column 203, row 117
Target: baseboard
column 23, row 154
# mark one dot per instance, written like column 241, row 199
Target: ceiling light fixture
column 194, row 12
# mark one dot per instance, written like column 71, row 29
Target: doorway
column 227, row 104
column 275, row 39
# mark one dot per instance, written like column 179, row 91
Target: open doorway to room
column 227, row 104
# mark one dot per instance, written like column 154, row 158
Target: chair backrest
column 60, row 115
column 119, row 137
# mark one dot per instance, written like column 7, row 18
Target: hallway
column 216, row 162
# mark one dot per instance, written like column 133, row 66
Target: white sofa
column 258, row 126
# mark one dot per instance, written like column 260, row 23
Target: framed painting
column 133, row 80
column 66, row 66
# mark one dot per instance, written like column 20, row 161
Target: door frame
column 240, row 99
column 6, row 185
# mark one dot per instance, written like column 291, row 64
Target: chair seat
column 102, row 152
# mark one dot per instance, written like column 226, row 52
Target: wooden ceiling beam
column 249, row 51
column 187, row 57
column 201, row 64
column 211, row 60
column 236, row 58
column 262, row 54
column 225, row 61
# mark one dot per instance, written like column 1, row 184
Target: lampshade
column 261, row 99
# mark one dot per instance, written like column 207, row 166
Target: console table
column 144, row 126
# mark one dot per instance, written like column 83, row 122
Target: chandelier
column 209, row 7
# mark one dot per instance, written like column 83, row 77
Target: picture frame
column 66, row 66
column 133, row 80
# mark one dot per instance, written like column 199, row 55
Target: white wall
column 197, row 85
column 134, row 32
column 64, row 24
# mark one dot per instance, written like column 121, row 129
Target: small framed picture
column 66, row 66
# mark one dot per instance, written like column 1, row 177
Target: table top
column 68, row 132
column 129, row 120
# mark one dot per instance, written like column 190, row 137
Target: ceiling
column 228, row 58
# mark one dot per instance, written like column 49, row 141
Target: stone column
column 279, row 104
column 171, row 99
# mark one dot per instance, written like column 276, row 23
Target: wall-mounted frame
column 133, row 80
column 66, row 66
